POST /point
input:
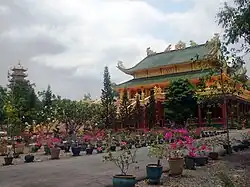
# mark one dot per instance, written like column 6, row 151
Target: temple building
column 18, row 73
column 157, row 70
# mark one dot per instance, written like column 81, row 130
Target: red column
column 199, row 116
column 223, row 107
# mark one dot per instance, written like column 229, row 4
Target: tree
column 22, row 97
column 138, row 112
column 235, row 20
column 180, row 101
column 107, row 100
column 75, row 114
column 151, row 110
column 125, row 111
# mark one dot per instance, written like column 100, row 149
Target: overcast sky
column 67, row 43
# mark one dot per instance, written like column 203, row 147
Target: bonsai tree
column 123, row 159
column 158, row 151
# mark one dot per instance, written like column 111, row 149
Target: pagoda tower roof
column 170, row 57
column 19, row 67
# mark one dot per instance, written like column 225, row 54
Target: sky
column 67, row 43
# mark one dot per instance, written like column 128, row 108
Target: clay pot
column 55, row 152
column 176, row 166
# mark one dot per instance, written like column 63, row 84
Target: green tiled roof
column 170, row 57
column 163, row 78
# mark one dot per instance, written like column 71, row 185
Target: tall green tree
column 180, row 101
column 107, row 100
column 151, row 110
column 235, row 19
column 24, row 101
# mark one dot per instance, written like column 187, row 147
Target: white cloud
column 101, row 32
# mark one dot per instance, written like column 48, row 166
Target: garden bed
column 236, row 167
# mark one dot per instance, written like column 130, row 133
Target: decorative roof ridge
column 175, row 50
column 122, row 68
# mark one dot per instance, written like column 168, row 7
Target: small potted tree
column 29, row 157
column 122, row 160
column 213, row 143
column 55, row 150
column 154, row 171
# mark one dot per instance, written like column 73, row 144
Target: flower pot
column 19, row 148
column 3, row 150
column 89, row 151
column 200, row 160
column 55, row 152
column 16, row 155
column 154, row 173
column 246, row 142
column 8, row 161
column 66, row 148
column 213, row 155
column 113, row 148
column 29, row 158
column 124, row 181
column 176, row 166
column 76, row 151
column 236, row 148
column 189, row 163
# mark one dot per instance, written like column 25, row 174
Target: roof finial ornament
column 168, row 48
column 180, row 45
column 150, row 52
column 120, row 64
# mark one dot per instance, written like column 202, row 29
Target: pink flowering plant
column 179, row 141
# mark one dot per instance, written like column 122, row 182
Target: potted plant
column 54, row 149
column 122, row 160
column 213, row 143
column 175, row 150
column 154, row 171
column 29, row 158
column 201, row 159
column 225, row 144
column 76, row 149
column 89, row 149
column 8, row 159
column 99, row 149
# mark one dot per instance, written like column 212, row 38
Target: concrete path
column 83, row 171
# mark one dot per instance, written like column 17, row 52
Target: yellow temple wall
column 177, row 68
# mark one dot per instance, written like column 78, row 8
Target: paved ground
column 79, row 171
column 74, row 172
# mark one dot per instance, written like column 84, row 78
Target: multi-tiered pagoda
column 18, row 73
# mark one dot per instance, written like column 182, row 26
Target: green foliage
column 235, row 20
column 180, row 101
column 227, row 63
column 107, row 98
column 151, row 110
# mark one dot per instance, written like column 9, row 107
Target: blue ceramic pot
column 201, row 161
column 124, row 181
column 154, row 173
column 76, row 151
